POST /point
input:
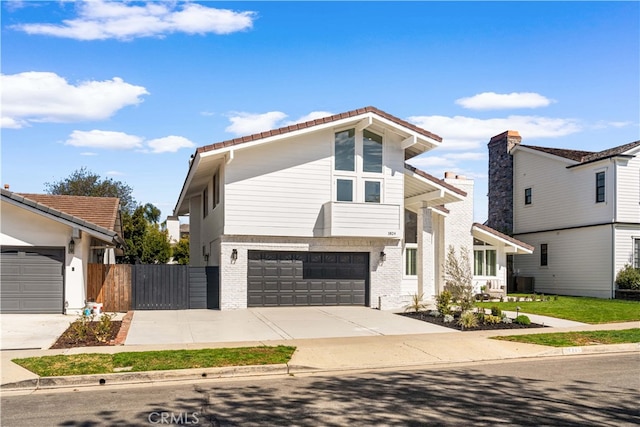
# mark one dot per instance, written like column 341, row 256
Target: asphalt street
column 577, row 390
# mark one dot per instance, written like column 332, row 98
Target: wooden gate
column 110, row 284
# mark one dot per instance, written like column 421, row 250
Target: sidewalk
column 328, row 354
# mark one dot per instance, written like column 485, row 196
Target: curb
column 92, row 380
column 149, row 377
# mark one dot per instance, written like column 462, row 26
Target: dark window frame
column 544, row 255
column 205, row 202
column 600, row 187
column 528, row 196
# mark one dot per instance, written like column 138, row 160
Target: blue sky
column 130, row 89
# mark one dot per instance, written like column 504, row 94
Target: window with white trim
column 410, row 243
column 485, row 261
column 636, row 253
column 358, row 166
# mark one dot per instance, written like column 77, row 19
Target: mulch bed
column 481, row 327
column 119, row 331
column 69, row 338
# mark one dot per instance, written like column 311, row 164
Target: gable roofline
column 59, row 216
column 419, row 140
column 584, row 157
column 318, row 122
column 518, row 245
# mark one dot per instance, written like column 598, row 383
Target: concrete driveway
column 32, row 331
column 266, row 324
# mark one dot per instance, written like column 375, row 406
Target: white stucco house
column 46, row 243
column 327, row 212
column 579, row 209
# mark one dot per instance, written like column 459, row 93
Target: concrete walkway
column 371, row 351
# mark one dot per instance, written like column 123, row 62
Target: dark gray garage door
column 31, row 280
column 307, row 278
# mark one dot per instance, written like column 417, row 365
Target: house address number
column 391, row 233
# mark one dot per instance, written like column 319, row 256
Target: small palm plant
column 416, row 303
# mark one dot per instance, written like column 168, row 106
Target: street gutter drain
column 102, row 381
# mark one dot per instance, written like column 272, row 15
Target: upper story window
column 527, row 196
column 600, row 187
column 344, row 189
column 358, row 160
column 345, row 150
column 372, row 191
column 205, row 202
column 371, row 152
column 216, row 189
column 544, row 255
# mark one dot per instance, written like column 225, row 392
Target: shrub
column 492, row 320
column 416, row 303
column 507, row 320
column 448, row 318
column 628, row 278
column 522, row 320
column 481, row 316
column 468, row 319
column 443, row 302
column 104, row 327
column 495, row 311
column 434, row 313
column 458, row 278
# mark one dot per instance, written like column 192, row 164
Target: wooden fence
column 124, row 287
column 110, row 284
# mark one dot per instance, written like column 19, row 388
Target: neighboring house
column 579, row 209
column 47, row 242
column 324, row 212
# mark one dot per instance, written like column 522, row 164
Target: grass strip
column 579, row 309
column 91, row 363
column 574, row 339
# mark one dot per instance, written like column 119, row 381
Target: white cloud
column 499, row 101
column 88, row 153
column 314, row 115
column 468, row 133
column 169, row 144
column 104, row 139
column 101, row 20
column 250, row 123
column 121, row 141
column 114, row 173
column 46, row 97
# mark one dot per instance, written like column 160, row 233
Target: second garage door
column 32, row 280
column 307, row 278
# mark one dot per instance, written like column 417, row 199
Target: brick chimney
column 500, row 215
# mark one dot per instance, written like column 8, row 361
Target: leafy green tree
column 147, row 243
column 83, row 182
column 181, row 251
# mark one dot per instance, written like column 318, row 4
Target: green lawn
column 572, row 339
column 82, row 364
column 580, row 309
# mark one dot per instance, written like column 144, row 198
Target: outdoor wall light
column 383, row 256
column 234, row 255
column 72, row 246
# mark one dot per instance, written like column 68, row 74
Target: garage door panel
column 287, row 286
column 32, row 280
column 307, row 278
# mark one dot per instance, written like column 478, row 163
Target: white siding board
column 561, row 197
column 579, row 261
column 624, row 236
column 628, row 187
